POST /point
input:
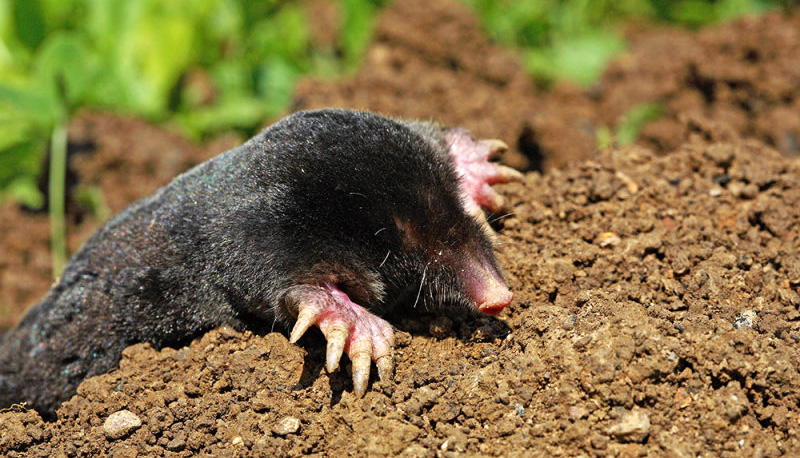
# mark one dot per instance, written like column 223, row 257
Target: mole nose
column 486, row 287
column 496, row 298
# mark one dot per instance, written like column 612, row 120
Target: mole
column 327, row 218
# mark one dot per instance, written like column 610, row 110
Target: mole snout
column 485, row 287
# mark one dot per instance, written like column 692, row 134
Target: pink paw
column 476, row 173
column 348, row 327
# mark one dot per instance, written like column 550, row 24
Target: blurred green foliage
column 629, row 126
column 214, row 65
column 574, row 39
column 205, row 65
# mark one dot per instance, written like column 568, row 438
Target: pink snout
column 486, row 288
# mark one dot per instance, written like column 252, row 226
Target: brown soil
column 657, row 308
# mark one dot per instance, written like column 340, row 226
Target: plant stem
column 56, row 193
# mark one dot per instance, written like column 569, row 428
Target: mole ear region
column 408, row 233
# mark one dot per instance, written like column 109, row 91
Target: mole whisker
column 421, row 283
column 385, row 259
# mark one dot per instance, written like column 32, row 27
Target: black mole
column 325, row 218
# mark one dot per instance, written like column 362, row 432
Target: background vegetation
column 213, row 65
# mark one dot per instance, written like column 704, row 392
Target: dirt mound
column 431, row 59
column 745, row 74
column 656, row 312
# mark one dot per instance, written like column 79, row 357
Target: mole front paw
column 477, row 173
column 348, row 327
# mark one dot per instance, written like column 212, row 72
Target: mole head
column 377, row 203
column 448, row 257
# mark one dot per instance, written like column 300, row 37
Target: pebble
column 578, row 413
column 120, row 424
column 176, row 445
column 608, row 239
column 745, row 319
column 287, row 425
column 632, row 427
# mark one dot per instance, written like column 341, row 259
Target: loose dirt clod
column 286, row 426
column 634, row 426
column 121, row 423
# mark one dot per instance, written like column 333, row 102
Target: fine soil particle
column 657, row 286
column 615, row 345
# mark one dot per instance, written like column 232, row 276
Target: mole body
column 325, row 218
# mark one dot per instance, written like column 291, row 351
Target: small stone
column 633, row 188
column 750, row 191
column 287, row 425
column 715, row 192
column 632, row 427
column 745, row 319
column 176, row 445
column 261, row 401
column 608, row 239
column 120, row 424
column 582, row 341
column 444, row 412
column 578, row 413
column 721, row 179
column 237, row 440
column 744, row 261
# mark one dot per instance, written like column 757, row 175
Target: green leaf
column 276, row 80
column 30, row 22
column 28, row 105
column 635, row 119
column 93, row 199
column 22, row 158
column 64, row 63
column 24, row 190
column 580, row 59
column 356, row 29
column 242, row 113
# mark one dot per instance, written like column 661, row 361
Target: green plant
column 630, row 126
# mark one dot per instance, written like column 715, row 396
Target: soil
column 657, row 286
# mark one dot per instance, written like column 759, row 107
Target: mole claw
column 360, row 353
column 305, row 318
column 336, row 341
column 360, row 378
column 385, row 367
column 495, row 146
column 508, row 174
column 497, row 201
